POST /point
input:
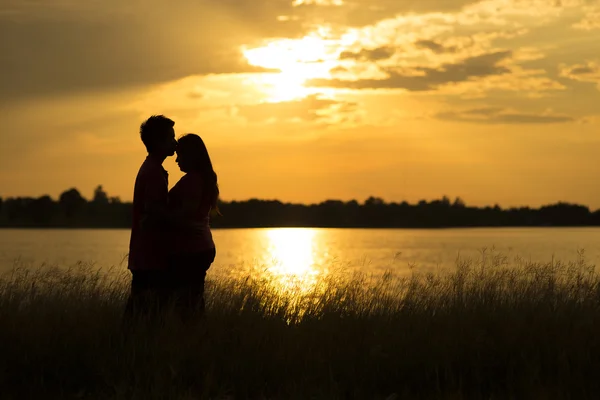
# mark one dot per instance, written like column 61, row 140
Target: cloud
column 312, row 108
column 53, row 48
column 435, row 46
column 588, row 72
column 444, row 31
column 426, row 78
column 469, row 65
column 590, row 20
column 531, row 83
column 382, row 20
column 195, row 95
column 379, row 53
column 496, row 115
column 366, row 12
column 59, row 47
column 297, row 3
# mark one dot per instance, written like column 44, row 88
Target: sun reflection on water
column 293, row 267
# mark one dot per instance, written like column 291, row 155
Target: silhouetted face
column 185, row 159
column 167, row 145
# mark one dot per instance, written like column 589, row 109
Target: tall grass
column 492, row 328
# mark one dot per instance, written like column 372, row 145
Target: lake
column 310, row 251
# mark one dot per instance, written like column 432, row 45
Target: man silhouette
column 147, row 247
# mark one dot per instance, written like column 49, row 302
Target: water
column 307, row 251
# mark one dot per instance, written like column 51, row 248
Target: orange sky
column 495, row 101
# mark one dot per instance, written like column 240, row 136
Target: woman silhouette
column 192, row 200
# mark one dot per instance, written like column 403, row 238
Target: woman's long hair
column 193, row 145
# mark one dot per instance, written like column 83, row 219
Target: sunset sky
column 495, row 101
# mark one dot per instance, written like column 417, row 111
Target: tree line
column 72, row 210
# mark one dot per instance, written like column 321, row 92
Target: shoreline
column 458, row 227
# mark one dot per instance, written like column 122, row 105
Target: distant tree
column 459, row 203
column 330, row 213
column 564, row 214
column 13, row 210
column 100, row 196
column 374, row 201
column 72, row 209
column 352, row 203
column 42, row 210
column 71, row 202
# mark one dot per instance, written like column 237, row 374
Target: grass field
column 491, row 329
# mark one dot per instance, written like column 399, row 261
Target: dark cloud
column 486, row 111
column 435, row 46
column 588, row 72
column 380, row 53
column 428, row 78
column 493, row 115
column 50, row 58
column 532, row 119
column 339, row 70
column 582, row 71
column 195, row 95
column 62, row 52
column 310, row 108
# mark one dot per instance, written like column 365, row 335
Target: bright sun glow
column 298, row 60
column 292, row 251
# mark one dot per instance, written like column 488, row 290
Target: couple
column 171, row 245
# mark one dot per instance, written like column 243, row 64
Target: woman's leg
column 205, row 261
column 191, row 277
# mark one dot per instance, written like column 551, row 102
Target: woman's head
column 192, row 156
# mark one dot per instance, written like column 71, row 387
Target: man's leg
column 149, row 294
column 161, row 292
column 135, row 302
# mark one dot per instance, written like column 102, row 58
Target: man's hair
column 153, row 128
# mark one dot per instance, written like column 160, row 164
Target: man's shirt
column 147, row 247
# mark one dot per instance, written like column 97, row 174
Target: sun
column 298, row 60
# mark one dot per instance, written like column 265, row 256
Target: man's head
column 158, row 135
